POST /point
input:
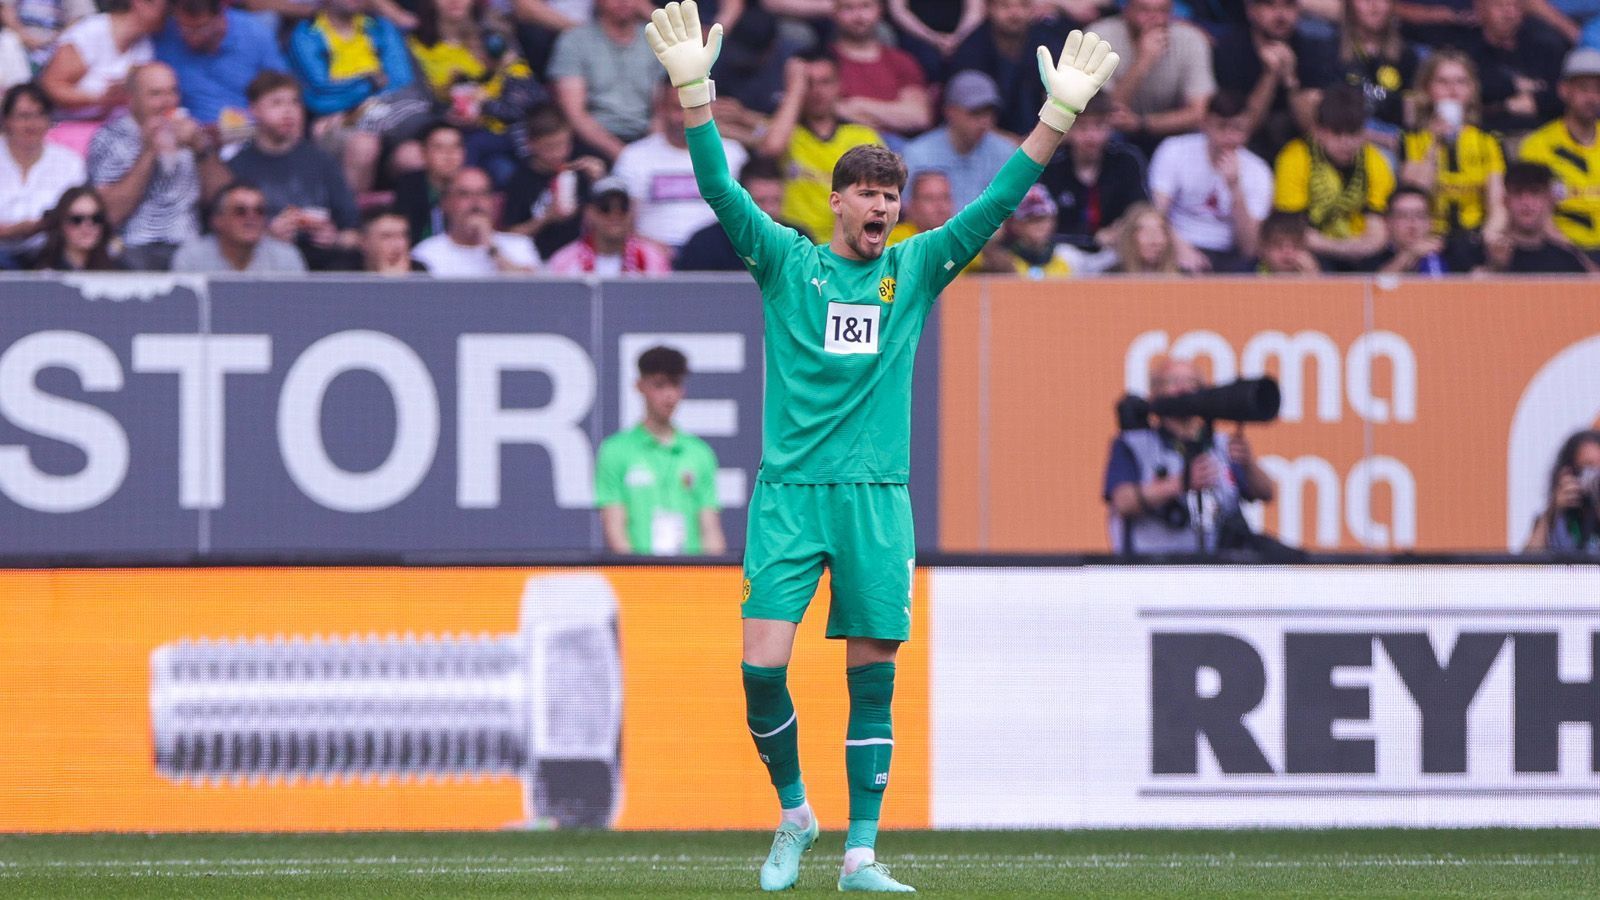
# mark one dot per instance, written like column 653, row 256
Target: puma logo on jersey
column 818, row 285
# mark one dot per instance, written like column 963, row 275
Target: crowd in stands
column 472, row 137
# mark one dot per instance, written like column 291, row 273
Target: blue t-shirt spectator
column 969, row 172
column 214, row 81
column 312, row 62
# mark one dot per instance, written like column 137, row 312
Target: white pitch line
column 501, row 865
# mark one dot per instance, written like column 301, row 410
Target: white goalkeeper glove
column 1086, row 63
column 674, row 34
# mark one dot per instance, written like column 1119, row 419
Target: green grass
column 1473, row 863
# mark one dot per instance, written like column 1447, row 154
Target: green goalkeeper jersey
column 841, row 334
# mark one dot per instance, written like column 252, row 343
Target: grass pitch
column 1475, row 863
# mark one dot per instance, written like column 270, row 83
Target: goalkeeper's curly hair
column 869, row 164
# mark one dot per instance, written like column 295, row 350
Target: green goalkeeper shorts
column 864, row 535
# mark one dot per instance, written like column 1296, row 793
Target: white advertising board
column 1416, row 696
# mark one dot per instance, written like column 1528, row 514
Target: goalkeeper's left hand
column 674, row 35
column 1086, row 63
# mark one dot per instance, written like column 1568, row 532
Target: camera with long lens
column 1245, row 400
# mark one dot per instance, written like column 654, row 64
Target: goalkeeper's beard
column 868, row 243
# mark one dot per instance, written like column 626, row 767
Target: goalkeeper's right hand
column 674, row 34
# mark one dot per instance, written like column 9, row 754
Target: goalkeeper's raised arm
column 687, row 53
column 1085, row 64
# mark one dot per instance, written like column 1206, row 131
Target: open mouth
column 874, row 230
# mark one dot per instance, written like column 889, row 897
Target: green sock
column 868, row 747
column 769, row 711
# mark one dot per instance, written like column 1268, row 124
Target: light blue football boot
column 782, row 868
column 874, row 876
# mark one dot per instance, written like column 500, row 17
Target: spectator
column 810, row 138
column 1003, row 48
column 355, row 77
column 933, row 29
column 1414, row 247
column 1277, row 70
column 1339, row 180
column 386, row 244
column 609, row 246
column 1028, row 246
column 217, row 50
column 540, row 22
column 1173, row 487
column 31, row 30
column 1570, row 522
column 1144, row 242
column 546, row 194
column 1094, row 177
column 34, row 173
column 417, row 194
column 709, row 249
column 1568, row 146
column 154, row 166
column 1519, row 61
column 1450, row 158
column 308, row 200
column 85, row 77
column 1213, row 190
column 1563, row 17
column 1529, row 244
column 470, row 246
column 1374, row 57
column 488, row 89
column 78, row 235
column 966, row 147
column 660, row 176
column 749, row 73
column 879, row 86
column 1284, row 249
column 928, row 205
column 238, row 241
column 656, row 486
column 1165, row 78
column 1436, row 23
column 605, row 76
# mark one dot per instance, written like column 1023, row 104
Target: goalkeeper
column 842, row 324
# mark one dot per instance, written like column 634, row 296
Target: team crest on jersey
column 886, row 290
column 745, row 593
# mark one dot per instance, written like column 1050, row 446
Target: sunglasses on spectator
column 243, row 211
column 79, row 219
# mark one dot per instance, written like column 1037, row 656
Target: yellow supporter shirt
column 445, row 63
column 349, row 56
column 1461, row 175
column 808, row 166
column 902, row 231
column 1336, row 202
column 1577, row 171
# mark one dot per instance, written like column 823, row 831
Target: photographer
column 1570, row 522
column 1175, row 487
